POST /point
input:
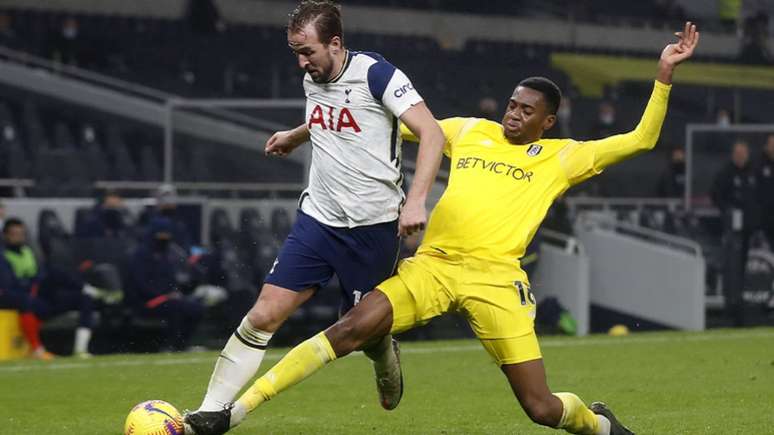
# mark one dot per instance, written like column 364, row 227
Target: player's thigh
column 275, row 304
column 513, row 350
column 417, row 293
column 502, row 314
column 297, row 272
column 362, row 258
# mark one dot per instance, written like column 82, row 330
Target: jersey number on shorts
column 525, row 294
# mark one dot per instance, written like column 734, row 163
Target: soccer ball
column 154, row 417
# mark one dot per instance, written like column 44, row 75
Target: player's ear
column 335, row 44
column 549, row 122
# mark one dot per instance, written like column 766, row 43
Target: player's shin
column 382, row 354
column 297, row 365
column 579, row 419
column 237, row 364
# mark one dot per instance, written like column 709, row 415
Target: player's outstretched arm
column 420, row 121
column 283, row 143
column 582, row 160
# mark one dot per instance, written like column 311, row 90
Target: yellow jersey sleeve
column 581, row 160
column 452, row 129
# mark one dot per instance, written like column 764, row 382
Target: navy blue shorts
column 361, row 257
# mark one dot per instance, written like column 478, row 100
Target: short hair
column 11, row 222
column 548, row 88
column 325, row 14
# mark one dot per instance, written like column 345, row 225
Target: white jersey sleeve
column 392, row 87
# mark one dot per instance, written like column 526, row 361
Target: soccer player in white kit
column 352, row 213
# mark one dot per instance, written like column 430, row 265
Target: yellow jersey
column 498, row 193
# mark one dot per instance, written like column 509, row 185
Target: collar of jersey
column 347, row 61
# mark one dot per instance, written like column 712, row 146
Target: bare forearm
column 428, row 160
column 300, row 134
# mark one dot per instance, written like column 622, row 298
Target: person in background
column 107, row 219
column 606, row 124
column 723, row 118
column 40, row 295
column 672, row 181
column 2, row 216
column 765, row 179
column 487, row 108
column 734, row 193
column 167, row 207
column 158, row 282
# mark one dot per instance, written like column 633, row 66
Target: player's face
column 526, row 117
column 314, row 57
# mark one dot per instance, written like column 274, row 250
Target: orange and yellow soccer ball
column 154, row 417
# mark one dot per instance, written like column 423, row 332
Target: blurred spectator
column 41, row 295
column 755, row 36
column 723, row 118
column 766, row 189
column 558, row 217
column 166, row 207
column 729, row 12
column 7, row 34
column 108, row 219
column 159, row 280
column 203, row 16
column 2, row 215
column 606, row 121
column 564, row 117
column 487, row 109
column 669, row 12
column 672, row 182
column 66, row 44
column 734, row 193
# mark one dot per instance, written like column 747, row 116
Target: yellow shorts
column 494, row 297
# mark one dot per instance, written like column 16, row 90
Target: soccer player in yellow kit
column 503, row 179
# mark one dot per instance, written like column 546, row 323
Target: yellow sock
column 300, row 362
column 576, row 417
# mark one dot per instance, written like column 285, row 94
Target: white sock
column 82, row 338
column 237, row 364
column 604, row 425
column 238, row 413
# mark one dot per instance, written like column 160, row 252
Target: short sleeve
column 391, row 86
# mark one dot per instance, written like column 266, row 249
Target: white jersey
column 355, row 176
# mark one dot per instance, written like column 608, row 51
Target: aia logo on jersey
column 329, row 119
column 534, row 150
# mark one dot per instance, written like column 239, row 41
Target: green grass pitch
column 717, row 382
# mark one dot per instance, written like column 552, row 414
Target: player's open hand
column 675, row 53
column 413, row 218
column 281, row 144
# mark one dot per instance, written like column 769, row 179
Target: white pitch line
column 563, row 342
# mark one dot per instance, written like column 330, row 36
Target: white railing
column 589, row 220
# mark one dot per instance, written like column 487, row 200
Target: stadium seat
column 63, row 137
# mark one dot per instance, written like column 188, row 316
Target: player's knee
column 265, row 319
column 540, row 411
